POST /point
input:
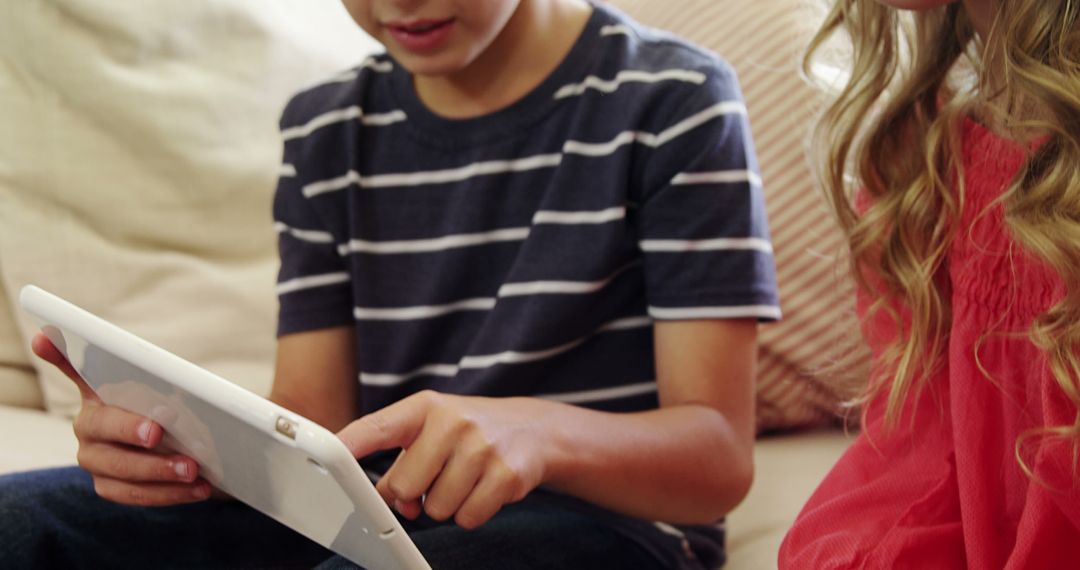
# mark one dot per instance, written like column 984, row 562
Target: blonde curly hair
column 914, row 77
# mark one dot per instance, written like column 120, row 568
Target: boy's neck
column 533, row 43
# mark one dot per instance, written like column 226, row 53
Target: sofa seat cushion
column 787, row 470
column 33, row 439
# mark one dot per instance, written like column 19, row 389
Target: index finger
column 394, row 426
column 47, row 351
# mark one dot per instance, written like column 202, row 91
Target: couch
column 139, row 158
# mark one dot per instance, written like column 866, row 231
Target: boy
column 527, row 246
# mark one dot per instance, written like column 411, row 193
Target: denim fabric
column 53, row 519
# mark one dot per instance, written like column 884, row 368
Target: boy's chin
column 432, row 66
column 431, row 71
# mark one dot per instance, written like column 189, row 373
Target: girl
column 960, row 126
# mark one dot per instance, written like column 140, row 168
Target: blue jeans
column 53, row 519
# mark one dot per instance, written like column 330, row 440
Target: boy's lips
column 421, row 35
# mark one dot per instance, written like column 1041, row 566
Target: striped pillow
column 814, row 359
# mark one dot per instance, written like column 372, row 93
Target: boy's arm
column 315, row 376
column 688, row 462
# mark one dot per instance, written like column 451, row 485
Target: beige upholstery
column 31, row 440
column 19, row 384
column 137, row 167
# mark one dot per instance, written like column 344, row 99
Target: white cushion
column 18, row 383
column 33, row 440
column 138, row 163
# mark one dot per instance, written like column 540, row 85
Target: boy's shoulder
column 342, row 92
column 669, row 67
column 633, row 42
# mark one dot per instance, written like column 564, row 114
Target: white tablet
column 278, row 462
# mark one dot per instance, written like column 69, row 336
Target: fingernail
column 399, row 506
column 182, row 469
column 202, row 491
column 144, row 432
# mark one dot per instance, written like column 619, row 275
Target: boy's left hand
column 463, row 456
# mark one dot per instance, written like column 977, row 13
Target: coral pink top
column 944, row 489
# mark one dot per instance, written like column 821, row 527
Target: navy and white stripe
column 526, row 252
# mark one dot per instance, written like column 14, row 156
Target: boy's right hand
column 118, row 448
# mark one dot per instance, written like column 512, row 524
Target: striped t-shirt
column 526, row 252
